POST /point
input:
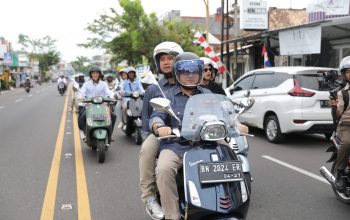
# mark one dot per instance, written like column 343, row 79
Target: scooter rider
column 92, row 88
column 130, row 86
column 343, row 129
column 164, row 55
column 110, row 81
column 207, row 76
column 188, row 72
column 62, row 79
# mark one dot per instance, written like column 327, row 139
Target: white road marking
column 18, row 100
column 1, row 107
column 30, row 95
column 37, row 92
column 307, row 173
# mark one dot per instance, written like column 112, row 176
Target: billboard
column 254, row 15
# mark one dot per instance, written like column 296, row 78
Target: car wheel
column 273, row 130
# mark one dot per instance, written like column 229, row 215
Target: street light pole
column 206, row 2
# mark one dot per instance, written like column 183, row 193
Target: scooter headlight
column 97, row 100
column 213, row 131
column 136, row 94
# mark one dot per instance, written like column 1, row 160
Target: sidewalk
column 3, row 92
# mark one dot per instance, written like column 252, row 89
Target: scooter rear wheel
column 340, row 196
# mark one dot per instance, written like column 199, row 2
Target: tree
column 42, row 49
column 46, row 60
column 136, row 33
column 81, row 64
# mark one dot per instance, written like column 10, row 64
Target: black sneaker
column 339, row 180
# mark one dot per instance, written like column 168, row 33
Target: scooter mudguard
column 100, row 134
column 219, row 199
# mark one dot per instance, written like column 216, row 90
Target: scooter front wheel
column 138, row 136
column 101, row 151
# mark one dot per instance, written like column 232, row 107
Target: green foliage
column 81, row 64
column 136, row 33
column 46, row 60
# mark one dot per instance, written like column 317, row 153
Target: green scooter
column 98, row 125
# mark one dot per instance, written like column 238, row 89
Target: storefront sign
column 254, row 15
column 330, row 7
column 300, row 41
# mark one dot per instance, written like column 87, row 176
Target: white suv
column 287, row 99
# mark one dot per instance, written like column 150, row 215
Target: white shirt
column 62, row 80
column 91, row 89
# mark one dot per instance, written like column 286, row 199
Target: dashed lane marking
column 18, row 100
column 307, row 173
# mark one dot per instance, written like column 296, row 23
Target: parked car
column 287, row 99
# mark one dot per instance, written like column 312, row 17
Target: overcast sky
column 65, row 20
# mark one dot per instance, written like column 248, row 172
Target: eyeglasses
column 206, row 69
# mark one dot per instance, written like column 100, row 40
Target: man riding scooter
column 92, row 88
column 62, row 84
column 164, row 55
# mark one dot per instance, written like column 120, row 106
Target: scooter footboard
column 220, row 196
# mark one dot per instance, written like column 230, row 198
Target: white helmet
column 166, row 47
column 207, row 61
column 344, row 64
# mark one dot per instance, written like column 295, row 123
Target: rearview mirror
column 160, row 104
column 163, row 105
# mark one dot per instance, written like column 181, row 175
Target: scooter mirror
column 248, row 103
column 160, row 104
column 163, row 105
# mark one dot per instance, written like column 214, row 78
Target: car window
column 280, row 77
column 312, row 81
column 263, row 81
column 245, row 83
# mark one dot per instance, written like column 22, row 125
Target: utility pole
column 222, row 76
column 228, row 65
column 235, row 35
column 206, row 2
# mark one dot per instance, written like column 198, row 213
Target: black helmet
column 95, row 69
column 188, row 64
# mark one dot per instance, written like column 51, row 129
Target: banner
column 254, row 15
column 300, row 41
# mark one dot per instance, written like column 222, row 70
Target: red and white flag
column 210, row 52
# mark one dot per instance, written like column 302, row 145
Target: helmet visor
column 189, row 73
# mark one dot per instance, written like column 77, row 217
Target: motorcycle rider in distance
column 130, row 86
column 123, row 77
column 92, row 88
column 164, row 55
column 207, row 77
column 62, row 79
column 110, row 81
column 343, row 128
column 188, row 72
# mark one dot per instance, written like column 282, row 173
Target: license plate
column 324, row 103
column 217, row 172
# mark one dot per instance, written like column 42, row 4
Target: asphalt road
column 47, row 173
